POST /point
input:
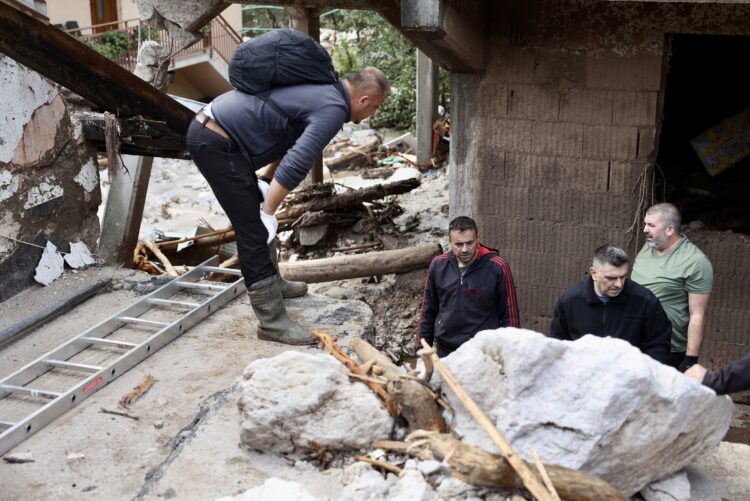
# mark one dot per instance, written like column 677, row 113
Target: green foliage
column 111, row 44
column 374, row 42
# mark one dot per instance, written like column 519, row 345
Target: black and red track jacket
column 454, row 309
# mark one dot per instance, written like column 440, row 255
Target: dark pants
column 235, row 185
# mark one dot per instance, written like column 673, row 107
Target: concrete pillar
column 127, row 193
column 426, row 105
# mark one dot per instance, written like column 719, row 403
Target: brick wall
column 550, row 140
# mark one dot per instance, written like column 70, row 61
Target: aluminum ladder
column 28, row 385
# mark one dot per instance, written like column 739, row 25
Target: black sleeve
column 730, row 379
column 426, row 327
column 558, row 329
column 657, row 333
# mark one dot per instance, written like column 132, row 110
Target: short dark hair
column 462, row 223
column 667, row 214
column 609, row 254
column 369, row 79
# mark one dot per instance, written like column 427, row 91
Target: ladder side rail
column 90, row 385
column 37, row 368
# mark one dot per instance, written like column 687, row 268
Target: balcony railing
column 120, row 40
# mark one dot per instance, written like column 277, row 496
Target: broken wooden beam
column 482, row 468
column 361, row 265
column 290, row 214
column 138, row 136
column 416, row 402
column 76, row 66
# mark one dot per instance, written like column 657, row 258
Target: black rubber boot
column 288, row 288
column 273, row 322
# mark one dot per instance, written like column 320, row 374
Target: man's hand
column 264, row 187
column 687, row 363
column 270, row 222
column 697, row 372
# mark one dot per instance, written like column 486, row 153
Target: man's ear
column 592, row 271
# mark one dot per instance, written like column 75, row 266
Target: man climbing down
column 284, row 128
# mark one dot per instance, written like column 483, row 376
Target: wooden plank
column 426, row 105
column 74, row 65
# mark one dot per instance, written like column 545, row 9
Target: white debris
column 8, row 184
column 675, row 487
column 74, row 457
column 19, row 457
column 50, row 266
column 274, row 489
column 411, row 486
column 404, row 173
column 87, row 177
column 43, row 193
column 79, row 255
column 296, row 399
column 596, row 404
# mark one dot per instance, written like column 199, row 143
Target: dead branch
column 329, row 344
column 380, row 464
column 347, row 199
column 161, row 257
column 118, row 413
column 361, row 265
column 135, row 393
column 482, row 468
column 141, row 262
column 416, row 402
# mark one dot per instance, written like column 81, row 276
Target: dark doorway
column 707, row 83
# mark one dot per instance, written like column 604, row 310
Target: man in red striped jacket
column 467, row 290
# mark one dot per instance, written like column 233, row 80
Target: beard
column 656, row 243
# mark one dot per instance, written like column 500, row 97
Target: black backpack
column 277, row 58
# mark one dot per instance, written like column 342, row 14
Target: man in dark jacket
column 280, row 133
column 733, row 378
column 467, row 290
column 607, row 304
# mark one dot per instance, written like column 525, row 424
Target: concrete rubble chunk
column 596, row 404
column 18, row 458
column 50, row 266
column 274, row 489
column 79, row 255
column 298, row 399
column 675, row 487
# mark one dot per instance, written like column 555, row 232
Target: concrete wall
column 49, row 182
column 548, row 143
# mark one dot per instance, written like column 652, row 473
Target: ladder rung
column 6, row 424
column 142, row 321
column 60, row 364
column 107, row 342
column 168, row 302
column 29, row 391
column 226, row 271
column 195, row 285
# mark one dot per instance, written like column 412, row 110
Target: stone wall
column 549, row 142
column 49, row 182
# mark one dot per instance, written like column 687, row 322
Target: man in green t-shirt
column 680, row 275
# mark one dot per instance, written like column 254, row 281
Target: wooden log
column 479, row 467
column 530, row 480
column 416, row 402
column 161, row 257
column 346, row 199
column 361, row 265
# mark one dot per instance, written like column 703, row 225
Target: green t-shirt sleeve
column 700, row 279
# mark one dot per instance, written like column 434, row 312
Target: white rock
column 429, row 467
column 675, row 487
column 354, row 470
column 403, row 174
column 274, row 489
column 19, row 457
column 297, row 398
column 369, row 485
column 75, row 456
column 79, row 255
column 452, row 488
column 50, row 265
column 596, row 404
column 411, row 486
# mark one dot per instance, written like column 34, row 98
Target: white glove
column 270, row 222
column 264, row 187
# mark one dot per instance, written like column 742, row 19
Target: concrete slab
column 185, row 442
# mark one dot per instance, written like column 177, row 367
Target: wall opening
column 707, row 85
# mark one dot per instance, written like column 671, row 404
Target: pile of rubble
column 606, row 420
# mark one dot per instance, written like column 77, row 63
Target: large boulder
column 595, row 404
column 306, row 400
